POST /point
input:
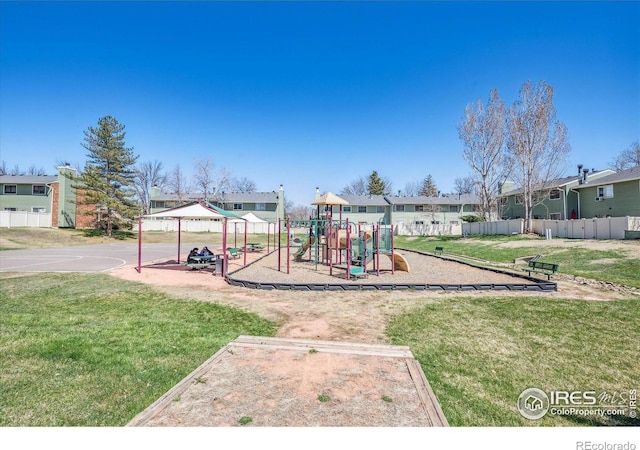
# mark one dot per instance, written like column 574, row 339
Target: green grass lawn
column 480, row 354
column 93, row 350
column 614, row 266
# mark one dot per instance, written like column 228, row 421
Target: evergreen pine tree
column 376, row 185
column 429, row 187
column 109, row 173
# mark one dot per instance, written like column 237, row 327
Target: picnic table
column 255, row 247
column 200, row 261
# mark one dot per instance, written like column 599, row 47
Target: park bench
column 255, row 247
column 439, row 250
column 234, row 252
column 545, row 268
column 196, row 262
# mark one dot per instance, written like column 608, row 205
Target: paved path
column 84, row 258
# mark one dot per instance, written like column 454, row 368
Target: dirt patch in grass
column 632, row 248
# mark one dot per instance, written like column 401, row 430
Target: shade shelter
column 194, row 210
column 330, row 199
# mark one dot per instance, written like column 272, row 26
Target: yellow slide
column 308, row 242
column 399, row 262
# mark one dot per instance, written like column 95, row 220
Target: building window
column 380, row 209
column 346, row 209
column 399, row 208
column 39, row 209
column 419, row 208
column 362, row 209
column 419, row 222
column 10, row 188
column 237, row 206
column 38, row 189
column 453, row 208
column 261, row 206
column 554, row 194
column 554, row 216
column 10, row 209
column 605, row 191
column 519, row 199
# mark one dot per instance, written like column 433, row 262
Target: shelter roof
column 192, row 211
column 329, row 199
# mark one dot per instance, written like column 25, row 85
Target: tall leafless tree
column 32, row 170
column 483, row 132
column 204, row 178
column 466, row 185
column 178, row 183
column 538, row 144
column 627, row 158
column 356, row 187
column 411, row 189
column 243, row 184
column 150, row 174
column 299, row 212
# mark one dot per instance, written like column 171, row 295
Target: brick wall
column 85, row 214
column 55, row 206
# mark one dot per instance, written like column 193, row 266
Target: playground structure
column 343, row 245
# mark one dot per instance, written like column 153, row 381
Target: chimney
column 584, row 175
column 579, row 169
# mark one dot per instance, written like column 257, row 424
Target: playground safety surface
column 426, row 272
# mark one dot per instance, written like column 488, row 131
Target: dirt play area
column 329, row 346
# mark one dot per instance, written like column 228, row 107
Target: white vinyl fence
column 199, row 226
column 10, row 219
column 601, row 228
column 442, row 229
column 513, row 226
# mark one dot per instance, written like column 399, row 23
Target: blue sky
column 309, row 94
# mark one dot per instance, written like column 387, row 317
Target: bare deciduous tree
column 204, row 178
column 356, row 187
column 411, row 189
column 150, row 173
column 33, row 170
column 465, row 185
column 243, row 184
column 483, row 132
column 299, row 212
column 627, row 158
column 538, row 144
column 178, row 183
